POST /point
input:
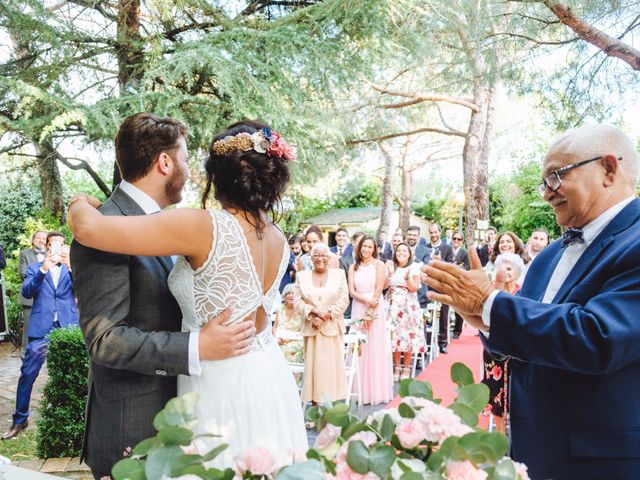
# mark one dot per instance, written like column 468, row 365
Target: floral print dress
column 404, row 313
column 292, row 323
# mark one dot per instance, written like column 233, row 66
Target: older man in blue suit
column 49, row 283
column 574, row 330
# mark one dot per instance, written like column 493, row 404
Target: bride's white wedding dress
column 251, row 400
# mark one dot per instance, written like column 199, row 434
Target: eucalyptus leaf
column 309, row 470
column 186, row 464
column 406, row 411
column 381, row 457
column 145, row 446
column 358, row 457
column 474, row 396
column 461, row 374
column 338, row 415
column 466, row 414
column 128, row 469
column 420, row 389
column 354, row 428
column 387, row 428
column 214, row 452
column 175, row 436
column 411, row 476
column 159, row 462
column 505, row 470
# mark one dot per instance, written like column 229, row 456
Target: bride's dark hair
column 246, row 180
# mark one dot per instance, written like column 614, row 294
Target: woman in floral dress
column 288, row 323
column 496, row 368
column 403, row 311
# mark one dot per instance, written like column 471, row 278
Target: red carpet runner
column 468, row 350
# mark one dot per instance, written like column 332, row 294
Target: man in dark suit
column 384, row 247
column 575, row 388
column 28, row 256
column 421, row 254
column 129, row 318
column 460, row 258
column 441, row 251
column 50, row 285
column 342, row 246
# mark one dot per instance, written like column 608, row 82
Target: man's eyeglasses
column 553, row 182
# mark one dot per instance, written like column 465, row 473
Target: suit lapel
column 594, row 251
column 128, row 206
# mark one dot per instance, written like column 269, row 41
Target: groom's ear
column 164, row 163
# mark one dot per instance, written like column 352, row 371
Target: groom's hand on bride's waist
column 217, row 341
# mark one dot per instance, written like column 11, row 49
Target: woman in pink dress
column 366, row 279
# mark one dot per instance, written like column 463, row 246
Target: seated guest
column 288, row 323
column 496, row 368
column 321, row 296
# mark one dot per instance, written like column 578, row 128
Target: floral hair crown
column 264, row 140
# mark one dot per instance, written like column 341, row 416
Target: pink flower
column 410, row 433
column 197, row 447
column 437, row 421
column 496, row 371
column 257, row 461
column 280, row 148
column 464, row 471
column 327, row 436
column 521, row 471
column 343, row 472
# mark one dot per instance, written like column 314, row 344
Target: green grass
column 23, row 447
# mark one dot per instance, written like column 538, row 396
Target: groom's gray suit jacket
column 131, row 324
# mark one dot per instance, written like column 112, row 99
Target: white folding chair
column 433, row 312
column 352, row 369
column 414, row 361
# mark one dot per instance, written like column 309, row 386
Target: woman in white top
column 234, row 257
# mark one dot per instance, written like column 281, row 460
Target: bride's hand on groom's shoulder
column 218, row 341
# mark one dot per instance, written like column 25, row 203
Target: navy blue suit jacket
column 575, row 392
column 47, row 300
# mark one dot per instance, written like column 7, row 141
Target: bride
column 234, row 257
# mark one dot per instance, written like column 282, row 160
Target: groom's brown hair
column 141, row 138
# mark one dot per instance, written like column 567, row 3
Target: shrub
column 12, row 285
column 61, row 426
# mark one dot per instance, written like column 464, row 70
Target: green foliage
column 22, row 447
column 375, row 446
column 431, row 209
column 12, row 285
column 61, row 426
column 19, row 199
column 517, row 206
column 358, row 193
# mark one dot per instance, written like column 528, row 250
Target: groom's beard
column 173, row 187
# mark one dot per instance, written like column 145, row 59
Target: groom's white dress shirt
column 149, row 205
column 569, row 258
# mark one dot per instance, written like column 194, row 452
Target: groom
column 573, row 332
column 130, row 320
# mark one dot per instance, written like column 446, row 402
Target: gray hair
column 288, row 288
column 320, row 248
column 508, row 257
column 591, row 141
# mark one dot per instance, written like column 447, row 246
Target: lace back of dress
column 228, row 277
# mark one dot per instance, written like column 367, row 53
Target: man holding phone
column 50, row 285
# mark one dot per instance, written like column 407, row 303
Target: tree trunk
column 130, row 55
column 386, row 201
column 50, row 181
column 405, row 195
column 475, row 156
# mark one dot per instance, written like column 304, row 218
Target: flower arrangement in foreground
column 420, row 439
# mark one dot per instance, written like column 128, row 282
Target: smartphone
column 56, row 250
